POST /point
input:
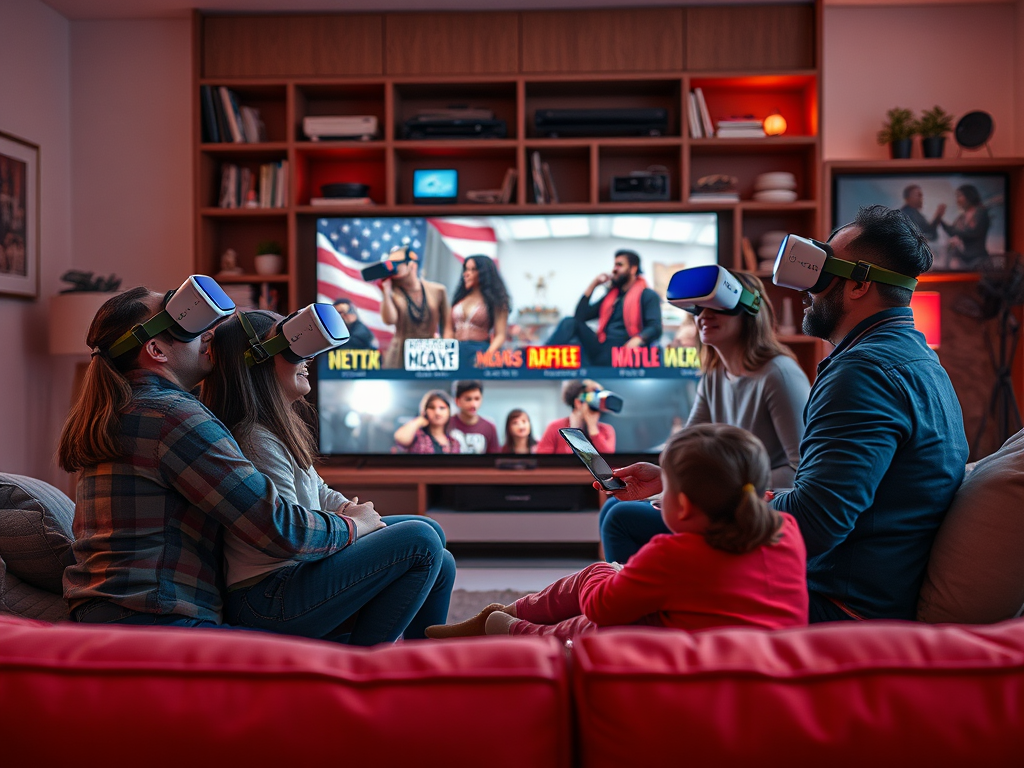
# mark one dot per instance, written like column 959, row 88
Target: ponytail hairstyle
column 92, row 430
column 244, row 398
column 724, row 471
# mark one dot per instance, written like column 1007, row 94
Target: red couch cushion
column 866, row 694
column 103, row 696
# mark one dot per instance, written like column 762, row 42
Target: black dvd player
column 453, row 128
column 641, row 121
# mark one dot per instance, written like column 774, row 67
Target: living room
column 106, row 91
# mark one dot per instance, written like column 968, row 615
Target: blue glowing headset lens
column 332, row 322
column 694, row 283
column 215, row 293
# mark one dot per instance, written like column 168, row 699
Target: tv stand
column 526, row 506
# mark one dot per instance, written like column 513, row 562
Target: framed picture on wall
column 19, row 217
column 963, row 215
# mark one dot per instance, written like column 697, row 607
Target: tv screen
column 435, row 186
column 370, row 387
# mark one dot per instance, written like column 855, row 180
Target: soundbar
column 641, row 121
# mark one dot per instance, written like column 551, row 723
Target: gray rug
column 466, row 603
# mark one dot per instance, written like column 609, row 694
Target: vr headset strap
column 750, row 301
column 862, row 272
column 260, row 351
column 141, row 333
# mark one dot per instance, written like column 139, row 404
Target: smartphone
column 594, row 461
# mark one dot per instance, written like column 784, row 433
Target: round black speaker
column 973, row 129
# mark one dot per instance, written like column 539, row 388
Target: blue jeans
column 626, row 526
column 395, row 580
column 105, row 612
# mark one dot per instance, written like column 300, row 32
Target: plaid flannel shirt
column 149, row 526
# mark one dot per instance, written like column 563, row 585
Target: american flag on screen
column 345, row 246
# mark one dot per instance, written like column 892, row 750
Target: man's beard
column 826, row 313
column 620, row 280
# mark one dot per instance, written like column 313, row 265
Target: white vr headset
column 711, row 287
column 810, row 265
column 188, row 311
column 301, row 336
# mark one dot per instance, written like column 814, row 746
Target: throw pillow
column 976, row 571
column 35, row 531
column 24, row 600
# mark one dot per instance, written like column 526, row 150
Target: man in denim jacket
column 884, row 446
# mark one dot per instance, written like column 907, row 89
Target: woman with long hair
column 480, row 309
column 428, row 432
column 750, row 380
column 968, row 232
column 518, row 433
column 393, row 580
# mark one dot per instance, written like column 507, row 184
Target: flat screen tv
column 546, row 263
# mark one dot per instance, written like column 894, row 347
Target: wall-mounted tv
column 545, row 262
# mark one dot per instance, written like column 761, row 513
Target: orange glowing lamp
column 774, row 124
column 927, row 308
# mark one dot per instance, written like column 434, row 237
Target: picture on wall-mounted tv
column 503, row 300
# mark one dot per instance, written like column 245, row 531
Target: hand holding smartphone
column 594, row 461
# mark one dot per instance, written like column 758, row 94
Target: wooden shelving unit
column 757, row 59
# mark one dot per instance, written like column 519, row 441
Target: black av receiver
column 640, row 121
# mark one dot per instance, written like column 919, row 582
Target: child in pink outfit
column 731, row 560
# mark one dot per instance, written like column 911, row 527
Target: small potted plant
column 933, row 126
column 268, row 258
column 898, row 132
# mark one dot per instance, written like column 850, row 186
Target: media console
column 556, row 505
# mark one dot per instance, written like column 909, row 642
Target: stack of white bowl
column 768, row 249
column 775, row 187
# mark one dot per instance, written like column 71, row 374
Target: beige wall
column 34, row 105
column 960, row 57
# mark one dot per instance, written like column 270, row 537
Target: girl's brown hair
column 92, row 430
column 724, row 471
column 509, row 445
column 757, row 333
column 244, row 397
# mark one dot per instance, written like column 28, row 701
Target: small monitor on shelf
column 435, row 185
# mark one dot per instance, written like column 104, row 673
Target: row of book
column 225, row 119
column 240, row 187
column 736, row 127
column 248, row 297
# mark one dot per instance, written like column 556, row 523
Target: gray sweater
column 768, row 402
column 295, row 484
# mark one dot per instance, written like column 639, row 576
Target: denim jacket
column 883, row 453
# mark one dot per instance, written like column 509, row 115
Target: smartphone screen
column 593, row 460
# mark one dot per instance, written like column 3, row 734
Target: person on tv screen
column 519, row 433
column 428, row 432
column 584, row 416
column 480, row 309
column 360, row 337
column 913, row 202
column 728, row 559
column 629, row 315
column 473, row 432
column 412, row 573
column 417, row 308
column 968, row 232
column 751, row 381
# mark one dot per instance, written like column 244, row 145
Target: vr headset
column 603, row 401
column 301, row 336
column 809, row 265
column 389, row 267
column 188, row 311
column 711, row 287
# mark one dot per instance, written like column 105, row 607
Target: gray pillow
column 976, row 571
column 35, row 531
column 27, row 601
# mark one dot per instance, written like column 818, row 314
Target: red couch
column 875, row 694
